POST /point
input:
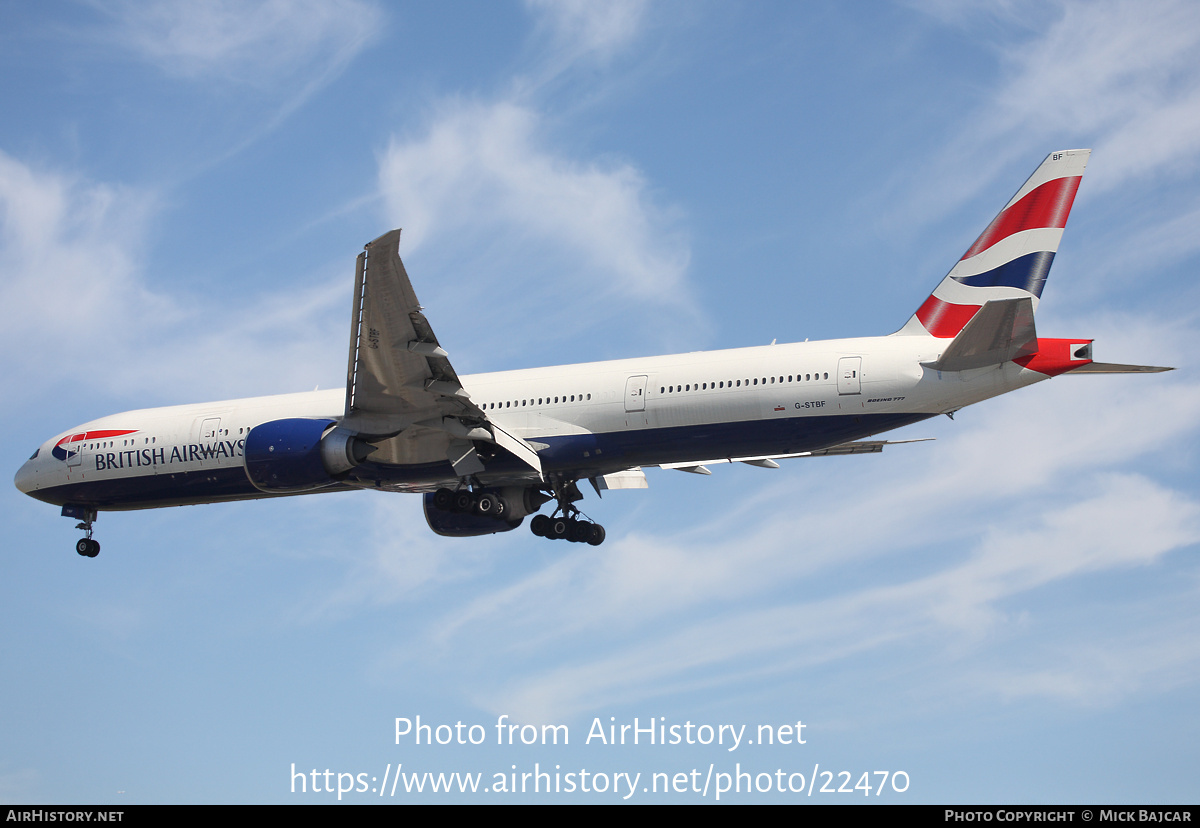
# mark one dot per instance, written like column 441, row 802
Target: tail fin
column 1012, row 257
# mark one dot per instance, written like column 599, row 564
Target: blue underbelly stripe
column 581, row 455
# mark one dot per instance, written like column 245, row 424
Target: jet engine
column 299, row 455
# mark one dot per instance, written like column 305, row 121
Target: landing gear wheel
column 579, row 531
column 464, row 501
column 558, row 528
column 443, row 499
column 597, row 537
column 540, row 526
column 491, row 505
column 85, row 546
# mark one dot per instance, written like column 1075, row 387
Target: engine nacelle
column 299, row 455
column 464, row 524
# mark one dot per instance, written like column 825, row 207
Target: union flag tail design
column 1012, row 257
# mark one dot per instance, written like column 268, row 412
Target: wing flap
column 768, row 461
column 633, row 478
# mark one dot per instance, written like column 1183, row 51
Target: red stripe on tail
column 943, row 319
column 1044, row 206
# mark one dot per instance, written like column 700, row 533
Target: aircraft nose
column 26, row 479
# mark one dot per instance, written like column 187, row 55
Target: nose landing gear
column 85, row 546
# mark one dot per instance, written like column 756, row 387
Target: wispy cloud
column 274, row 54
column 580, row 30
column 1120, row 71
column 1118, row 76
column 1029, row 495
column 260, row 43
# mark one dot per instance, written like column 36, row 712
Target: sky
column 1006, row 614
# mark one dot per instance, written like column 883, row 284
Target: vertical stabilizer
column 1011, row 258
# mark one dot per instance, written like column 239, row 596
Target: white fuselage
column 592, row 418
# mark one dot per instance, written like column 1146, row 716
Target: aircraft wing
column 402, row 394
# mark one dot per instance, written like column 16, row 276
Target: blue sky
column 1008, row 614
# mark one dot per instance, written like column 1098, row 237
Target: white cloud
column 76, row 306
column 556, row 231
column 580, row 29
column 255, row 42
column 68, row 264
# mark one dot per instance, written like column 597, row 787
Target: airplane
column 488, row 450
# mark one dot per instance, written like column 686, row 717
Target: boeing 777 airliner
column 490, row 449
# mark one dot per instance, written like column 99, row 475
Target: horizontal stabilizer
column 1116, row 368
column 1002, row 330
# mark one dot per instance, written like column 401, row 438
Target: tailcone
column 1057, row 356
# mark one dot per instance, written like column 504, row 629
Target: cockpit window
column 35, row 454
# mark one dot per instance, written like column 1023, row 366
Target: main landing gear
column 564, row 522
column 85, row 546
column 566, row 528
